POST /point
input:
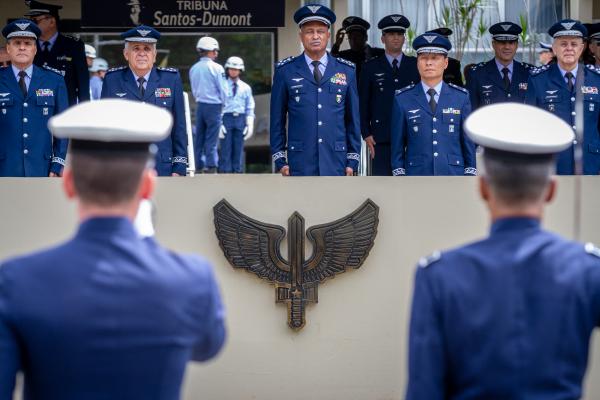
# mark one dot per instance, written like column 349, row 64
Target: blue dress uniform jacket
column 323, row 135
column 508, row 317
column 163, row 89
column 27, row 147
column 424, row 143
column 67, row 55
column 485, row 84
column 548, row 90
column 107, row 315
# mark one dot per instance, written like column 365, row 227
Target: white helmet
column 90, row 51
column 235, row 63
column 207, row 43
column 99, row 64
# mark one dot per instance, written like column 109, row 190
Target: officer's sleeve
column 59, row 146
column 426, row 358
column 178, row 133
column 105, row 85
column 398, row 137
column 213, row 335
column 530, row 95
column 467, row 145
column 278, row 109
column 193, row 82
column 364, row 101
column 82, row 73
column 9, row 348
column 352, row 124
column 222, row 85
column 250, row 105
column 472, row 88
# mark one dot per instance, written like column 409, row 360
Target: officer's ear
column 148, row 183
column 445, row 62
column 68, row 183
column 550, row 191
column 484, row 189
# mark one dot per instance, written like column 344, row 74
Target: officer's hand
column 222, row 132
column 349, row 171
column 339, row 36
column 249, row 129
column 371, row 145
column 285, row 170
column 53, row 175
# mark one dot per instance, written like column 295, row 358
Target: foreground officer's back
column 508, row 317
column 108, row 314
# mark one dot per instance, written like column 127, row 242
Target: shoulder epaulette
column 539, row 70
column 527, row 66
column 284, row 62
column 344, row 61
column 462, row 89
column 115, row 69
column 474, row 67
column 56, row 71
column 167, row 69
column 593, row 68
column 590, row 248
column 404, row 89
column 75, row 38
column 425, row 262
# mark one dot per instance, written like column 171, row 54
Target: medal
column 591, row 106
column 45, row 111
column 451, row 128
column 297, row 98
column 338, row 98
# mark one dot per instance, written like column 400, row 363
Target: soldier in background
column 4, row 57
column 452, row 74
column 381, row 77
column 360, row 51
column 98, row 71
column 61, row 52
column 593, row 39
column 90, row 54
column 545, row 53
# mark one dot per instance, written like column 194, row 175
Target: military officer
column 427, row 118
column 381, row 77
column 29, row 96
column 593, row 39
column 316, row 93
column 553, row 87
column 452, row 74
column 502, row 78
column 360, row 51
column 107, row 314
column 545, row 53
column 61, row 52
column 142, row 81
column 528, row 300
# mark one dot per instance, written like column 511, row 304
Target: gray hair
column 126, row 45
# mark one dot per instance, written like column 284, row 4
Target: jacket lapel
column 153, row 80
column 130, row 83
column 330, row 69
column 422, row 99
column 443, row 101
column 303, row 70
column 494, row 74
column 9, row 79
column 557, row 77
column 36, row 82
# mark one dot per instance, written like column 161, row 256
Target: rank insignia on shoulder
column 344, row 61
column 593, row 68
column 462, row 89
column 590, row 248
column 425, row 262
column 284, row 62
column 168, row 69
column 61, row 73
column 75, row 38
column 115, row 69
column 404, row 89
column 540, row 69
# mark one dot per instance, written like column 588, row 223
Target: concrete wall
column 354, row 343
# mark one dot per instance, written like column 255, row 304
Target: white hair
column 126, row 46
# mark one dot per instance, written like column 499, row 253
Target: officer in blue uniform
column 502, row 78
column 316, row 94
column 427, row 118
column 29, row 96
column 142, row 81
column 61, row 52
column 509, row 316
column 380, row 79
column 545, row 53
column 553, row 87
column 107, row 314
column 452, row 74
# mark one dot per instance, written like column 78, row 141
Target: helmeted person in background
column 209, row 88
column 502, row 78
column 452, row 74
column 4, row 57
column 316, row 94
column 142, row 81
column 107, row 314
column 90, row 54
column 98, row 72
column 427, row 131
column 545, row 53
column 238, row 118
column 381, row 77
column 553, row 87
column 360, row 51
column 509, row 316
column 61, row 52
column 593, row 40
column 29, row 97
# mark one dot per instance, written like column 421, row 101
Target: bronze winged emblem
column 255, row 246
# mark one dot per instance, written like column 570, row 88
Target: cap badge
column 314, row 9
column 23, row 26
column 429, row 39
column 506, row 27
column 568, row 25
column 143, row 32
column 350, row 19
column 395, row 19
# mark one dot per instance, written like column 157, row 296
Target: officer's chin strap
column 578, row 148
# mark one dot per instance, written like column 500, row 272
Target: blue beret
column 394, row 23
column 23, row 28
column 142, row 33
column 567, row 27
column 505, row 31
column 355, row 23
column 432, row 43
column 314, row 12
column 38, row 8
